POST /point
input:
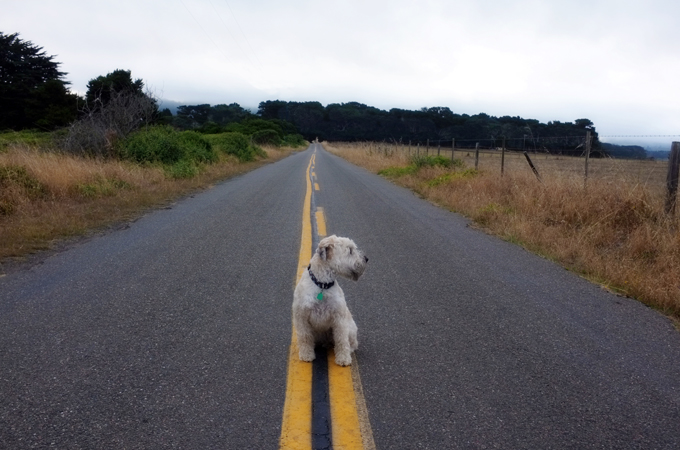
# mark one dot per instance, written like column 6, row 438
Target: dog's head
column 343, row 256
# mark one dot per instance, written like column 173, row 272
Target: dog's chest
column 321, row 314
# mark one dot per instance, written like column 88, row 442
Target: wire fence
column 514, row 155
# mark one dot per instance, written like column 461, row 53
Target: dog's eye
column 350, row 251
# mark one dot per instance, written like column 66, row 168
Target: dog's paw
column 307, row 355
column 343, row 360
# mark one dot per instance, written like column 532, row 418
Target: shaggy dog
column 320, row 314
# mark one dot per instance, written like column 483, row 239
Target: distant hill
column 624, row 151
column 658, row 154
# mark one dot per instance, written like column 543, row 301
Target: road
column 174, row 332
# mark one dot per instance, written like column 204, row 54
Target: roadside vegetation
column 47, row 195
column 612, row 230
column 107, row 156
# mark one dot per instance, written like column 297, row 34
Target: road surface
column 174, row 332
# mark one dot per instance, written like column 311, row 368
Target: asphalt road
column 174, row 333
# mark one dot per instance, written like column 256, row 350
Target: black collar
column 322, row 286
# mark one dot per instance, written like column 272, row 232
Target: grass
column 612, row 230
column 46, row 196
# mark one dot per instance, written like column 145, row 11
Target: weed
column 434, row 161
column 450, row 176
column 398, row 171
column 182, row 169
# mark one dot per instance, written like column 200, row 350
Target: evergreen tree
column 33, row 93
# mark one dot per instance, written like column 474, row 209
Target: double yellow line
column 348, row 431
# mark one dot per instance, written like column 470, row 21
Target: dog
column 320, row 313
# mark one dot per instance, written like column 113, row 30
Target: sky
column 615, row 62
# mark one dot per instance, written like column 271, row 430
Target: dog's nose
column 366, row 258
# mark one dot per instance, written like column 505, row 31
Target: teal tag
column 320, row 296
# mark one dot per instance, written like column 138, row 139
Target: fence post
column 476, row 155
column 453, row 147
column 672, row 177
column 439, row 147
column 526, row 155
column 503, row 158
column 587, row 155
column 409, row 147
column 427, row 149
column 418, row 149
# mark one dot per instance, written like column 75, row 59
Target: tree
column 100, row 88
column 32, row 90
column 115, row 107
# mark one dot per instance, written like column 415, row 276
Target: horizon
column 611, row 62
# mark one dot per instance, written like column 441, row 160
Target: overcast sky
column 616, row 62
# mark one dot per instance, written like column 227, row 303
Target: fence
column 577, row 158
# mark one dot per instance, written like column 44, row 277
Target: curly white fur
column 328, row 321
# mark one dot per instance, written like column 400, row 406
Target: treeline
column 35, row 94
column 232, row 118
column 358, row 122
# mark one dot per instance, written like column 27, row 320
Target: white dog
column 320, row 314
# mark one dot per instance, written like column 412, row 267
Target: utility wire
column 232, row 35
column 204, row 32
column 244, row 35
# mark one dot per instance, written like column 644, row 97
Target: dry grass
column 46, row 196
column 614, row 231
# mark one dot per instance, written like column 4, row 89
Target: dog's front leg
column 305, row 340
column 343, row 351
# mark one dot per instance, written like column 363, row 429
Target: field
column 612, row 230
column 46, row 196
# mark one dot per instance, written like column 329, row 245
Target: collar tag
column 320, row 296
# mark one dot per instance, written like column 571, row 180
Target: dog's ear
column 325, row 251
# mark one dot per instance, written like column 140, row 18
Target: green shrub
column 237, row 144
column 182, row 169
column 168, row 146
column 266, row 137
column 197, row 148
column 293, row 140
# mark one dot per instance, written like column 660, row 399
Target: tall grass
column 46, row 195
column 612, row 230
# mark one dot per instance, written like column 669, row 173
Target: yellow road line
column 346, row 429
column 296, row 428
column 320, row 222
column 347, row 426
column 316, row 187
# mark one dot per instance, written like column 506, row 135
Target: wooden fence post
column 427, row 149
column 587, row 155
column 418, row 149
column 453, row 147
column 439, row 147
column 409, row 147
column 476, row 155
column 672, row 178
column 503, row 158
column 526, row 155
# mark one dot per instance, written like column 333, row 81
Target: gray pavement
column 173, row 333
column 466, row 341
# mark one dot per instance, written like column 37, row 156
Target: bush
column 197, row 148
column 266, row 137
column 182, row 169
column 237, row 144
column 293, row 140
column 165, row 145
